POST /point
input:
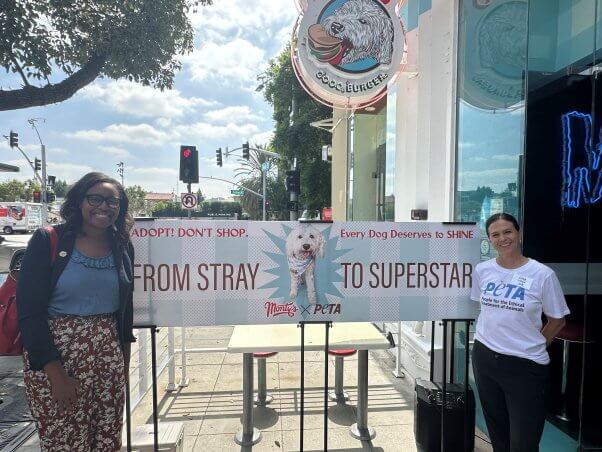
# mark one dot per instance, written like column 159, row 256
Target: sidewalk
column 211, row 405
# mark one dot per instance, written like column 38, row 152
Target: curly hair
column 71, row 208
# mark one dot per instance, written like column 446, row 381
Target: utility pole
column 120, row 171
column 33, row 121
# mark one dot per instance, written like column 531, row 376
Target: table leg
column 361, row 430
column 247, row 435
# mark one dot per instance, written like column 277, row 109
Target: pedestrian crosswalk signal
column 293, row 181
column 189, row 165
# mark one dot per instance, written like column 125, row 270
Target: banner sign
column 194, row 273
column 346, row 52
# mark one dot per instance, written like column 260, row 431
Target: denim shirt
column 87, row 286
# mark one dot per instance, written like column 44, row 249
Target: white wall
column 425, row 143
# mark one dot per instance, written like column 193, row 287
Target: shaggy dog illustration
column 366, row 31
column 303, row 244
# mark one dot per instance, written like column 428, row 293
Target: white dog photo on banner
column 304, row 244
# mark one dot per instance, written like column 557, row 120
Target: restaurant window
column 367, row 164
column 492, row 47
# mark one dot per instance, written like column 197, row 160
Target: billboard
column 193, row 273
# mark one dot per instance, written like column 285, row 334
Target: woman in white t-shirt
column 510, row 358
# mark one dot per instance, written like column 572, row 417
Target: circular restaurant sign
column 346, row 52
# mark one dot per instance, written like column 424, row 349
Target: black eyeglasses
column 97, row 200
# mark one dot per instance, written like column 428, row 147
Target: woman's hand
column 64, row 388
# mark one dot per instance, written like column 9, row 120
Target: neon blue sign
column 581, row 170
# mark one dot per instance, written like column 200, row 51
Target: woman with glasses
column 75, row 315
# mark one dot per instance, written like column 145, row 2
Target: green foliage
column 199, row 196
column 138, row 40
column 136, row 196
column 299, row 139
column 207, row 209
column 60, row 188
column 16, row 190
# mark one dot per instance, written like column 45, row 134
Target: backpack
column 10, row 336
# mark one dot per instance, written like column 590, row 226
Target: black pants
column 513, row 393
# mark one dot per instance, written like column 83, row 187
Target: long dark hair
column 71, row 208
column 501, row 216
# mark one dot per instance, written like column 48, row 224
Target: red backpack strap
column 54, row 242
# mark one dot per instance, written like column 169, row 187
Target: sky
column 213, row 104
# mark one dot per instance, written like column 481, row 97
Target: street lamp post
column 33, row 121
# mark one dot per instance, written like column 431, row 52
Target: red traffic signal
column 189, row 165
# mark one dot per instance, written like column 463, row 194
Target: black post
column 153, row 329
column 302, row 325
column 328, row 324
column 452, row 355
column 128, row 418
column 444, row 391
column 432, row 372
column 466, row 366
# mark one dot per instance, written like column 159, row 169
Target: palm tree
column 249, row 175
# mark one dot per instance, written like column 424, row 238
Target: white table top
column 287, row 337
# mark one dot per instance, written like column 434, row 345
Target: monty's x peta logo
column 353, row 35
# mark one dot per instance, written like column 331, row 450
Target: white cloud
column 238, row 15
column 233, row 114
column 142, row 134
column 262, row 138
column 505, row 157
column 204, row 131
column 115, row 151
column 236, row 61
column 143, row 101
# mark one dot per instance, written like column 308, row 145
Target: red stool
column 262, row 398
column 572, row 332
column 339, row 395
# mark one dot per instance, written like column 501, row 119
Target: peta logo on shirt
column 510, row 291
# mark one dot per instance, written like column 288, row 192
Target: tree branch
column 16, row 63
column 31, row 96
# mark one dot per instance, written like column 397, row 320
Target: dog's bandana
column 298, row 265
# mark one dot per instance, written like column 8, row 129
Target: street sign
column 237, row 192
column 265, row 166
column 189, row 200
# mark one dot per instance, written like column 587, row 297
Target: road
column 12, row 243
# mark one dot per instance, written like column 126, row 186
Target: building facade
column 497, row 110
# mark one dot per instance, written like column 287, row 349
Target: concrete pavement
column 210, row 407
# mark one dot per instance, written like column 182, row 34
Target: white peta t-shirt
column 512, row 301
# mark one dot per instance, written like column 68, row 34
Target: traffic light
column 189, row 165
column 245, row 150
column 37, row 196
column 218, row 156
column 293, row 181
column 50, row 197
column 37, row 164
column 13, row 139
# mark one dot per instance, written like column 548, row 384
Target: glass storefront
column 529, row 142
column 371, row 163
